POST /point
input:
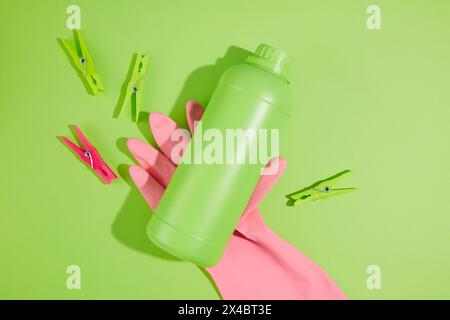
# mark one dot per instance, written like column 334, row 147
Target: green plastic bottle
column 203, row 203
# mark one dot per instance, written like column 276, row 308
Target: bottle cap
column 272, row 59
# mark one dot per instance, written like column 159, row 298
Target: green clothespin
column 82, row 61
column 322, row 189
column 133, row 86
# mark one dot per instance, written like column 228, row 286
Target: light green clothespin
column 133, row 87
column 322, row 189
column 82, row 61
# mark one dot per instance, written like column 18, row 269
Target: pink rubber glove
column 257, row 263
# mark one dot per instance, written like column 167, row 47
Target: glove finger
column 170, row 138
column 152, row 161
column 150, row 189
column 194, row 112
column 273, row 171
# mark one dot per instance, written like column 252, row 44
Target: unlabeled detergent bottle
column 210, row 188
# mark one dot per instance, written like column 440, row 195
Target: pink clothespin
column 91, row 157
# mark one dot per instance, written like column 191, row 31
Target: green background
column 376, row 102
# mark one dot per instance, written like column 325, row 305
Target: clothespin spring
column 135, row 86
column 325, row 189
column 83, row 61
column 87, row 154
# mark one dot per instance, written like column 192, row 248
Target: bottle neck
column 271, row 59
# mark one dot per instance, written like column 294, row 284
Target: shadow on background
column 144, row 127
column 200, row 84
column 130, row 224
